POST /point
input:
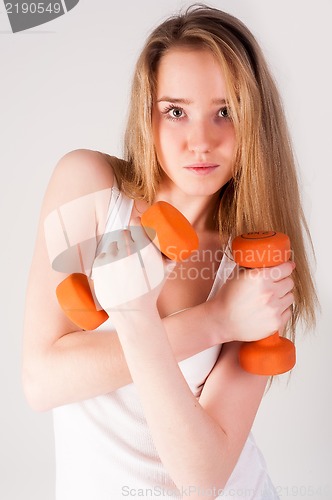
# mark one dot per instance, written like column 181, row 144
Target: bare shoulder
column 80, row 172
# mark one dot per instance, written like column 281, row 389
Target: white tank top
column 103, row 447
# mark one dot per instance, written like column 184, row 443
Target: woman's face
column 193, row 134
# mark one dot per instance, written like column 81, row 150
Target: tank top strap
column 225, row 268
column 118, row 216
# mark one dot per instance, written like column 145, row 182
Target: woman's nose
column 200, row 138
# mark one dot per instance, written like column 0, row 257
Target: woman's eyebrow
column 181, row 100
column 219, row 101
column 176, row 100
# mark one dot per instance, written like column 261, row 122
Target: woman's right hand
column 253, row 303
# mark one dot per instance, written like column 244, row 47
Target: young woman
column 154, row 402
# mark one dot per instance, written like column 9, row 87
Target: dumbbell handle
column 169, row 230
column 274, row 354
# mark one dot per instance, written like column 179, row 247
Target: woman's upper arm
column 232, row 397
column 74, row 210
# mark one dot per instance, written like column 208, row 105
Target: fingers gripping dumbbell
column 165, row 226
column 273, row 355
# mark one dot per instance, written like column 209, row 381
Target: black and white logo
column 24, row 15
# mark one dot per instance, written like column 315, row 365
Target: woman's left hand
column 130, row 273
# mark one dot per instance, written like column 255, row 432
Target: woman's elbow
column 33, row 391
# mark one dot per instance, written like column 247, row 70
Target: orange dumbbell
column 273, row 355
column 166, row 227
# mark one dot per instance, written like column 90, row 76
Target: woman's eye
column 173, row 113
column 224, row 113
column 176, row 112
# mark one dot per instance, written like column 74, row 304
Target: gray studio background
column 64, row 85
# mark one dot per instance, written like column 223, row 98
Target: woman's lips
column 202, row 168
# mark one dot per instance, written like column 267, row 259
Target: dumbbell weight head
column 261, row 249
column 171, row 232
column 76, row 298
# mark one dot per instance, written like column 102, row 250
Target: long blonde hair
column 263, row 193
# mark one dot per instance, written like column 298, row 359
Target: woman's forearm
column 192, row 446
column 82, row 365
